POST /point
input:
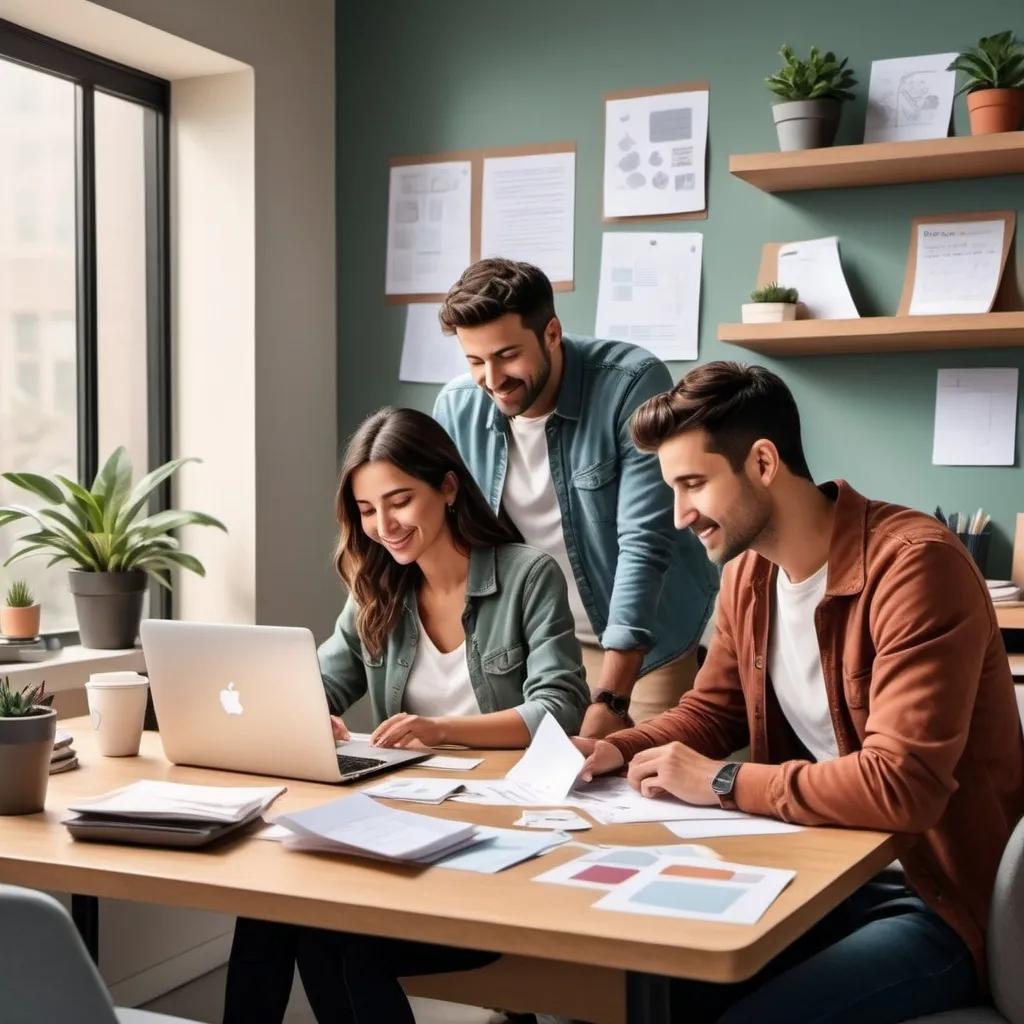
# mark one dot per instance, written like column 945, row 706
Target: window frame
column 92, row 74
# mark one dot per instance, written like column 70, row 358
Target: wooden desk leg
column 648, row 999
column 85, row 912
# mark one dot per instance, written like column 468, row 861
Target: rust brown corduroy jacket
column 921, row 697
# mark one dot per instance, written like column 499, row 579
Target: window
column 84, row 363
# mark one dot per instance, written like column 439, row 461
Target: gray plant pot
column 806, row 124
column 108, row 606
column 26, row 746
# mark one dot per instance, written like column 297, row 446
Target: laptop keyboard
column 347, row 765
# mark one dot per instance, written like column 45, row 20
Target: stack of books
column 1002, row 591
column 169, row 813
column 64, row 757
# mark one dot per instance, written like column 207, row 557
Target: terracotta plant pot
column 20, row 623
column 995, row 110
column 768, row 312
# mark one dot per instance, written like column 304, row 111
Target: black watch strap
column 723, row 782
column 617, row 704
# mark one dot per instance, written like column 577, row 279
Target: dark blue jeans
column 881, row 956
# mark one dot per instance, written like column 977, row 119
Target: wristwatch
column 617, row 704
column 723, row 782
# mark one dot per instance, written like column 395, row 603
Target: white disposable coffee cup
column 117, row 706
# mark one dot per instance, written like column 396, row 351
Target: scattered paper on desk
column 975, row 417
column 358, row 824
column 814, row 269
column 958, row 267
column 451, row 764
column 611, row 800
column 607, row 867
column 428, row 355
column 910, row 98
column 275, row 833
column 752, row 826
column 423, row 791
column 429, row 227
column 655, row 154
column 174, row 800
column 649, row 291
column 692, row 888
column 550, row 765
column 500, row 848
column 529, row 206
column 553, row 818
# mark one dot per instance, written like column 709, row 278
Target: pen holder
column 977, row 545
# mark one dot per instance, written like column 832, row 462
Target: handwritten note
column 958, row 267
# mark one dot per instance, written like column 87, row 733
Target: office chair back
column 45, row 970
column 1006, row 931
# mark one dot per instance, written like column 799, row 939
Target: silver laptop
column 251, row 699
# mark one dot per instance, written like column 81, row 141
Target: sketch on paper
column 910, row 98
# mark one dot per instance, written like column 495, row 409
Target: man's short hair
column 493, row 288
column 735, row 405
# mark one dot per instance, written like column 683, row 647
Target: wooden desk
column 505, row 912
column 1010, row 614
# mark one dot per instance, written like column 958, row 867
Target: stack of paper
column 421, row 791
column 359, row 825
column 64, row 757
column 171, row 801
column 1003, row 590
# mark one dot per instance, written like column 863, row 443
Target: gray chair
column 1005, row 946
column 45, row 970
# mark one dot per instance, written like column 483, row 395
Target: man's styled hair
column 490, row 289
column 735, row 405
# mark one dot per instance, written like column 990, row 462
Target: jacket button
column 412, row 641
column 759, row 662
column 403, row 663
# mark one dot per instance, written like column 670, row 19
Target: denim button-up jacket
column 521, row 646
column 643, row 583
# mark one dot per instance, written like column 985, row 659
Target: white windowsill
column 70, row 667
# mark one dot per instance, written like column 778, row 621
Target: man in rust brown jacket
column 857, row 651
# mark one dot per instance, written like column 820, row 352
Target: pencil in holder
column 977, row 545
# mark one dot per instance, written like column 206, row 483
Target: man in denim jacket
column 542, row 421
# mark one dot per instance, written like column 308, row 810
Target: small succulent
column 819, row 77
column 997, row 62
column 19, row 596
column 30, row 700
column 773, row 292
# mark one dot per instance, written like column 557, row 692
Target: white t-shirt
column 794, row 662
column 439, row 684
column 530, row 500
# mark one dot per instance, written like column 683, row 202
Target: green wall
column 424, row 76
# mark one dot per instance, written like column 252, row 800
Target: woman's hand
column 340, row 732
column 403, row 730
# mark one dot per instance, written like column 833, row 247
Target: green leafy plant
column 100, row 529
column 19, row 596
column 773, row 292
column 997, row 62
column 30, row 700
column 819, row 77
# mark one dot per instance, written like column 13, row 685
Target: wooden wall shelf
column 883, row 163
column 878, row 334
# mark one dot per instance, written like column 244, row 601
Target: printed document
column 649, row 291
column 975, row 417
column 910, row 98
column 655, row 155
column 429, row 227
column 813, row 268
column 529, row 205
column 959, row 265
column 428, row 355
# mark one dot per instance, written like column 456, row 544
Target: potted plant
column 812, row 92
column 995, row 83
column 19, row 618
column 770, row 304
column 114, row 548
column 27, row 727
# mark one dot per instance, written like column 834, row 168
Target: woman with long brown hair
column 458, row 634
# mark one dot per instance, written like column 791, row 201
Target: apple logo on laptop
column 231, row 700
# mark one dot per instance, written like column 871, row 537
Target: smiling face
column 728, row 511
column 400, row 512
column 508, row 362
